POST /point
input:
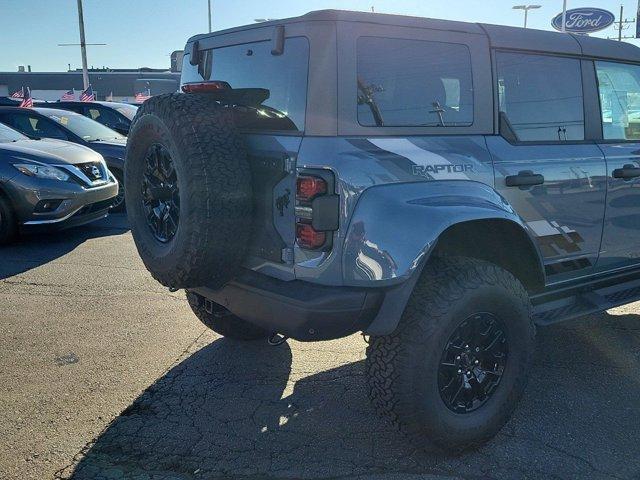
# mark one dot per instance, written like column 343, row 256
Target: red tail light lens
column 310, row 187
column 204, row 87
column 308, row 237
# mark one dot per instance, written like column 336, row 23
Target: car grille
column 92, row 170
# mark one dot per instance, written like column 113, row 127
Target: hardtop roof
column 499, row 36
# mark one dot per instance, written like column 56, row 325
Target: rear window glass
column 413, row 83
column 252, row 65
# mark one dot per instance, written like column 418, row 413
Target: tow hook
column 277, row 339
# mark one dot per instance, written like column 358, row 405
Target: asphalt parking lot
column 106, row 375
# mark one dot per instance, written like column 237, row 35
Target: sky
column 143, row 33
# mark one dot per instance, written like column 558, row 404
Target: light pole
column 564, row 15
column 209, row 5
column 526, row 9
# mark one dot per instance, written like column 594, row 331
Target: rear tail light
column 204, row 87
column 317, row 211
column 309, row 188
column 308, row 237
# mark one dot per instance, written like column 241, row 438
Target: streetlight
column 209, row 8
column 526, row 9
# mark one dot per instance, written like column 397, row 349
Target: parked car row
column 61, row 167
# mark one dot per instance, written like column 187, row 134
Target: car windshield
column 84, row 127
column 128, row 111
column 8, row 134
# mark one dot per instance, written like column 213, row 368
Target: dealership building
column 112, row 84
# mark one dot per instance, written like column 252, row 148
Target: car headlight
column 42, row 171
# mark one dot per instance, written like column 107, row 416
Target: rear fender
column 395, row 226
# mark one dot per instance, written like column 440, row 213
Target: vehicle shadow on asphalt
column 32, row 250
column 235, row 410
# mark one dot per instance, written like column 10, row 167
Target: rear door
column 546, row 166
column 619, row 93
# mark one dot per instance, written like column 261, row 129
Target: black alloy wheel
column 473, row 363
column 160, row 194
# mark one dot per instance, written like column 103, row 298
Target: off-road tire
column 223, row 322
column 8, row 223
column 402, row 367
column 214, row 182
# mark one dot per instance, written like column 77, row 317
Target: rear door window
column 413, row 83
column 252, row 66
column 619, row 86
column 540, row 97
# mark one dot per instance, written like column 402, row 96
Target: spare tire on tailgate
column 188, row 190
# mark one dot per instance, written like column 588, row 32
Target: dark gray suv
column 442, row 187
column 50, row 184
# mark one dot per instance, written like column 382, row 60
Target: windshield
column 128, row 111
column 8, row 134
column 84, row 127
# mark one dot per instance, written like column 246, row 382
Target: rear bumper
column 297, row 309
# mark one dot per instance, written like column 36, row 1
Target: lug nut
column 459, row 371
column 477, row 362
column 477, row 349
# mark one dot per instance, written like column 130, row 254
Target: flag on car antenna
column 68, row 95
column 18, row 93
column 27, row 101
column 87, row 95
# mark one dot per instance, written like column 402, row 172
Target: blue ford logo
column 584, row 20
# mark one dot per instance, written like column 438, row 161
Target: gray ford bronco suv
column 442, row 187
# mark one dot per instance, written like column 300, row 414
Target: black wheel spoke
column 472, row 363
column 160, row 195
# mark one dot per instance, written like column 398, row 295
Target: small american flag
column 87, row 95
column 27, row 101
column 68, row 95
column 142, row 96
column 18, row 93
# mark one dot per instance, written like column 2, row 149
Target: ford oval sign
column 584, row 20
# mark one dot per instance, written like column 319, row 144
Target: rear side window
column 540, row 97
column 619, row 86
column 413, row 83
column 252, row 65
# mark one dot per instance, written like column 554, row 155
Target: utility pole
column 209, row 4
column 83, row 47
column 620, row 25
column 526, row 9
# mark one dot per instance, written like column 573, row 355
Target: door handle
column 524, row 178
column 626, row 172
